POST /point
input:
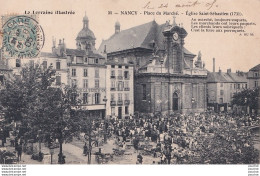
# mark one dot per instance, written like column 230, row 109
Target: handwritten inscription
column 149, row 5
column 189, row 4
column 207, row 5
column 210, row 5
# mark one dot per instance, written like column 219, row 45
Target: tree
column 42, row 109
column 247, row 98
column 22, row 90
column 228, row 145
column 52, row 114
column 87, row 127
column 55, row 116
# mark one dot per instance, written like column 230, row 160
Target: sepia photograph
column 121, row 82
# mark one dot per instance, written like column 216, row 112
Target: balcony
column 119, row 102
column 112, row 76
column 127, row 102
column 113, row 89
column 127, row 89
column 119, row 77
column 113, row 103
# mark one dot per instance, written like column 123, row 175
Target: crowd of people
column 179, row 138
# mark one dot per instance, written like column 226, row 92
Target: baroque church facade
column 167, row 77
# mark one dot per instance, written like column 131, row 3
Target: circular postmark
column 23, row 37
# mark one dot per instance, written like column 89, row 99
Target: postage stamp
column 23, row 37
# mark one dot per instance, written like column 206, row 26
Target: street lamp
column 62, row 157
column 88, row 133
column 39, row 140
column 51, row 152
column 105, row 100
column 246, row 104
column 105, row 129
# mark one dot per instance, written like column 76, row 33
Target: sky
column 229, row 49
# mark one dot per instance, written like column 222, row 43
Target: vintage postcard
column 139, row 82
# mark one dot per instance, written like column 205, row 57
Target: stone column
column 182, row 55
column 169, row 53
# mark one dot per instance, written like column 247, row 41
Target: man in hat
column 19, row 152
column 85, row 149
column 140, row 158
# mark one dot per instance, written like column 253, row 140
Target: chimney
column 219, row 71
column 61, row 50
column 53, row 42
column 229, row 70
column 105, row 49
column 213, row 65
column 53, row 45
column 59, row 42
column 239, row 73
column 63, row 47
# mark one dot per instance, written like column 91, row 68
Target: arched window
column 175, row 102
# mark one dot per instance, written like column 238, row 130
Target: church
column 167, row 77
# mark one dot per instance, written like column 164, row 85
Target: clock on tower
column 175, row 36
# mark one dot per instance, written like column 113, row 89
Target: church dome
column 86, row 33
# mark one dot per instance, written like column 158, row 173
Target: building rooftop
column 255, row 68
column 142, row 36
column 112, row 62
column 220, row 77
column 239, row 76
column 73, row 52
column 216, row 77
